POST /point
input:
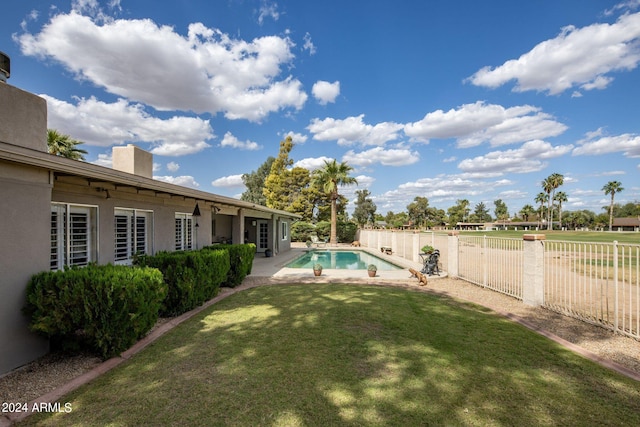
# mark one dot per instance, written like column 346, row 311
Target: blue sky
column 445, row 100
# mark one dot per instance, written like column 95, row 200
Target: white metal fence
column 595, row 282
column 494, row 263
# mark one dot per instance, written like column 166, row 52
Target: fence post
column 453, row 243
column 416, row 247
column 533, row 269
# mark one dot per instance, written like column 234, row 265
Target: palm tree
column 64, row 146
column 331, row 176
column 527, row 210
column 560, row 197
column 612, row 187
column 550, row 184
column 542, row 199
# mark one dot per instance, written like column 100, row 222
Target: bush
column 193, row 277
column 323, row 230
column 346, row 232
column 301, row 231
column 240, row 259
column 105, row 308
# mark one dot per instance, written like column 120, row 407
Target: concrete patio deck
column 275, row 267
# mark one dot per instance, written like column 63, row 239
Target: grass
column 574, row 236
column 307, row 355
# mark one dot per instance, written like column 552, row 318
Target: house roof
column 626, row 222
column 97, row 175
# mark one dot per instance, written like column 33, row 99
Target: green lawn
column 333, row 355
column 575, row 236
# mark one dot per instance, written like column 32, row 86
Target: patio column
column 533, row 269
column 238, row 227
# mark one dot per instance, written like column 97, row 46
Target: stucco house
column 58, row 212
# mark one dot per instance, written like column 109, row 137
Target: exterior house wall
column 32, row 180
column 25, row 225
column 25, row 233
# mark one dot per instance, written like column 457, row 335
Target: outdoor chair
column 318, row 242
column 431, row 264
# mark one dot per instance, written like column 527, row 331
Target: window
column 73, row 235
column 184, row 231
column 133, row 233
column 285, row 230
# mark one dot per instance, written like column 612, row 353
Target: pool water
column 341, row 260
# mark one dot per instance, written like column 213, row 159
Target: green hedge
column 241, row 261
column 193, row 277
column 106, row 308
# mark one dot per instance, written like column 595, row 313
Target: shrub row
column 106, row 308
column 193, row 277
column 302, row 231
column 241, row 261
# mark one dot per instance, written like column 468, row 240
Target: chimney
column 23, row 115
column 5, row 67
column 134, row 160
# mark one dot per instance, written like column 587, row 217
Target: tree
column 612, row 187
column 550, row 185
column 628, row 209
column 542, row 199
column 275, row 183
column 459, row 212
column 330, row 177
column 418, row 211
column 365, row 209
column 481, row 213
column 560, row 197
column 254, row 182
column 501, row 210
column 64, row 146
column 526, row 211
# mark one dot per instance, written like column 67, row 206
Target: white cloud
column 228, row 181
column 439, row 189
column 326, row 92
column 297, row 138
column 231, row 141
column 185, row 181
column 308, row 44
column 576, row 57
column 204, row 71
column 173, row 166
column 353, row 130
column 102, row 124
column 104, row 160
column 473, row 124
column 312, row 163
column 392, row 157
column 629, row 144
column 268, row 10
column 528, row 158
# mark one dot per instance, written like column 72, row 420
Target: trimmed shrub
column 323, row 230
column 240, row 259
column 346, row 231
column 193, row 277
column 301, row 231
column 104, row 308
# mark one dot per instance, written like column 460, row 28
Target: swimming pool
column 341, row 260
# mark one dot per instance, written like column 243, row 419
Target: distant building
column 626, row 224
